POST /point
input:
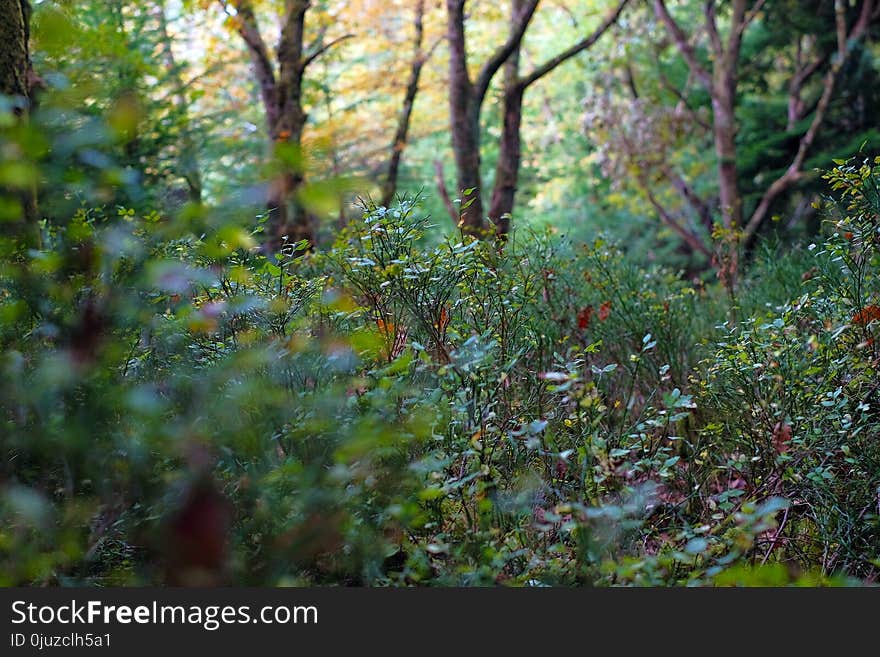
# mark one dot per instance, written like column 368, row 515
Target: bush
column 184, row 409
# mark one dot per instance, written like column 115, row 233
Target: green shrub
column 185, row 409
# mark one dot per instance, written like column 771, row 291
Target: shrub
column 185, row 409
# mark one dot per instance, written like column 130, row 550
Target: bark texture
column 15, row 81
column 466, row 98
column 14, row 49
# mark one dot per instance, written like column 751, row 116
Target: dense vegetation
column 250, row 360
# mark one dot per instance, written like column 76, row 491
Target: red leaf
column 444, row 320
column 584, row 317
column 866, row 315
column 604, row 310
column 781, row 437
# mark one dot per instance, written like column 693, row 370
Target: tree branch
column 323, row 49
column 712, row 28
column 794, row 173
column 734, row 39
column 681, row 41
column 577, row 48
column 795, row 86
column 412, row 86
column 751, row 15
column 691, row 239
column 444, row 193
column 683, row 103
column 699, row 206
column 247, row 27
column 490, row 68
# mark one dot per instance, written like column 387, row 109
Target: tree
column 694, row 125
column 14, row 48
column 281, row 90
column 719, row 77
column 515, row 86
column 419, row 57
column 466, row 96
column 15, row 82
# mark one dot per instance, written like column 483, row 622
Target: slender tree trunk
column 723, row 92
column 412, row 87
column 724, row 128
column 721, row 84
column 15, row 81
column 465, row 124
column 466, row 100
column 724, row 125
column 509, row 150
column 290, row 221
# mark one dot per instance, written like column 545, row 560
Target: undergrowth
column 182, row 409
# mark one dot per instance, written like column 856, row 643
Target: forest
column 395, row 293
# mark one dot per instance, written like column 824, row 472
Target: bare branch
column 444, row 193
column 681, row 41
column 751, row 15
column 712, row 27
column 691, row 239
column 794, row 173
column 698, row 205
column 795, row 86
column 490, row 68
column 430, row 52
column 577, row 48
column 683, row 103
column 247, row 27
column 734, row 39
column 412, row 86
column 323, row 49
column 630, row 80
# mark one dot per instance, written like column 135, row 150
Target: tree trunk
column 285, row 117
column 466, row 100
column 724, row 125
column 723, row 92
column 15, row 77
column 409, row 98
column 465, row 124
column 14, row 48
column 721, row 84
column 509, row 150
column 297, row 223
